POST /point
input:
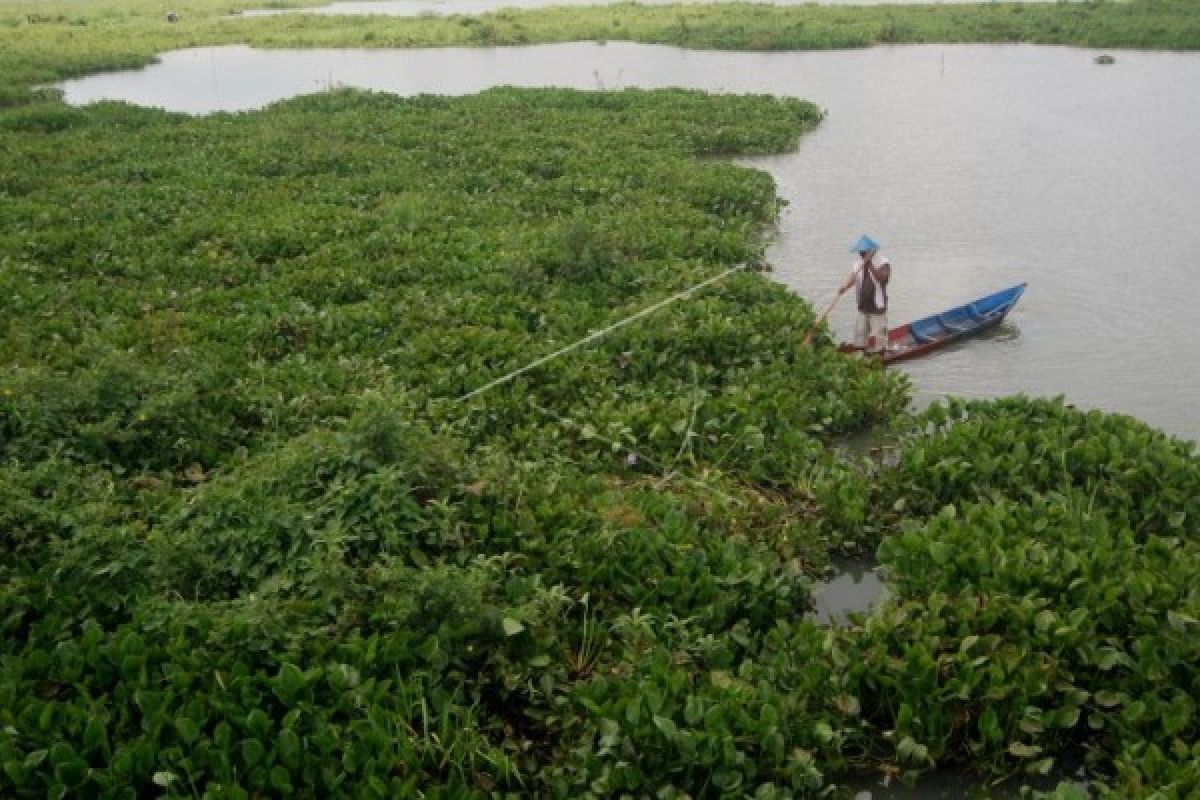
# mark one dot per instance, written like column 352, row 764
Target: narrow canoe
column 929, row 333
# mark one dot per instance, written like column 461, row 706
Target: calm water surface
column 854, row 587
column 976, row 166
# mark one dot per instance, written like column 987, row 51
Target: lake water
column 976, row 166
column 416, row 8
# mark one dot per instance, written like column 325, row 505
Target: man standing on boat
column 870, row 279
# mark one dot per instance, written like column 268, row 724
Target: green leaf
column 288, row 744
column 1180, row 621
column 693, row 711
column 633, row 710
column 1041, row 766
column 258, row 723
column 910, row 750
column 1021, row 750
column 1067, row 717
column 1176, row 718
column 720, row 679
column 288, row 683
column 281, row 780
column 95, row 737
column 666, row 725
column 1134, row 711
column 848, row 704
column 1108, row 658
column 15, row 772
column 188, row 730
column 252, row 751
column 727, row 780
column 63, row 753
column 511, row 626
column 989, row 726
column 1045, row 620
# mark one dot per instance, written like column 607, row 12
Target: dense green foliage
column 1044, row 563
column 256, row 544
column 255, row 539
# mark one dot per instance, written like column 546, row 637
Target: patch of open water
column 976, row 166
column 945, row 784
column 853, row 587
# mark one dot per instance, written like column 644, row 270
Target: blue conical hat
column 864, row 244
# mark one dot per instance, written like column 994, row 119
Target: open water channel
column 976, row 166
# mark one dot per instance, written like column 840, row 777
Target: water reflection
column 1004, row 332
column 949, row 784
column 854, row 588
column 936, row 786
column 978, row 167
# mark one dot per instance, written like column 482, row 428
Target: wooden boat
column 929, row 333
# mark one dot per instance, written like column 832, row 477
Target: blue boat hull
column 921, row 336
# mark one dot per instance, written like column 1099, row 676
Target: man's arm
column 849, row 282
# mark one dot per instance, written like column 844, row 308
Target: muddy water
column 854, row 588
column 948, row 785
column 977, row 167
column 416, row 8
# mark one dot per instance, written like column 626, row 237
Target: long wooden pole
column 820, row 319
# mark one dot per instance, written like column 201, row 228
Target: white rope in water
column 597, row 334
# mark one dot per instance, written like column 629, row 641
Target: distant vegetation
column 256, row 545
